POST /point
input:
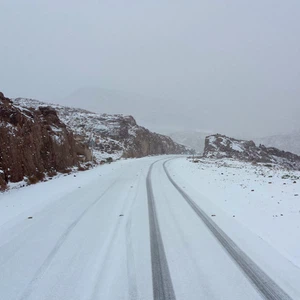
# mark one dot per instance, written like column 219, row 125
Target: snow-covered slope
column 221, row 146
column 110, row 135
column 286, row 142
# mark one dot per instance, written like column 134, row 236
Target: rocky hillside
column 286, row 142
column 34, row 142
column 110, row 135
column 221, row 146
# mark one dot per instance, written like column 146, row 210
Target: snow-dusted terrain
column 108, row 135
column 125, row 231
column 221, row 146
column 266, row 200
column 89, row 126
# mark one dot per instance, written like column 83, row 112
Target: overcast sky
column 227, row 66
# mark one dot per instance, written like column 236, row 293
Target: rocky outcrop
column 34, row 142
column 111, row 135
column 221, row 146
column 146, row 143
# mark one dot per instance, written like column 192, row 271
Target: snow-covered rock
column 221, row 146
column 34, row 143
column 110, row 135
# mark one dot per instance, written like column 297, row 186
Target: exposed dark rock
column 111, row 135
column 221, row 146
column 33, row 142
column 146, row 143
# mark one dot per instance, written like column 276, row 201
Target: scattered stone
column 295, row 182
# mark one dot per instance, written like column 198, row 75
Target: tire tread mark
column 261, row 281
column 161, row 279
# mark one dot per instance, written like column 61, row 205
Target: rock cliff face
column 110, row 135
column 145, row 142
column 34, row 142
column 220, row 146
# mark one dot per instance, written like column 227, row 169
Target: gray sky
column 227, row 66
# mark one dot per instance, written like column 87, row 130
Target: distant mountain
column 192, row 139
column 221, row 146
column 109, row 135
column 286, row 142
column 153, row 113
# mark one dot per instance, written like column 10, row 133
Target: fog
column 220, row 66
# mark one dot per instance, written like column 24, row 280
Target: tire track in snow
column 39, row 273
column 262, row 282
column 161, row 279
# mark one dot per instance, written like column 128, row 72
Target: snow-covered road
column 129, row 231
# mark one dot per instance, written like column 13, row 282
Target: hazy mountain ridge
column 221, row 146
column 155, row 113
column 192, row 139
column 287, row 142
column 110, row 135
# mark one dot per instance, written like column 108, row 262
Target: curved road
column 131, row 234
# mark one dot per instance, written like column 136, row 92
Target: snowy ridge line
column 39, row 273
column 161, row 279
column 266, row 286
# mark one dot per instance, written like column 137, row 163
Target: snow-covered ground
column 88, row 235
column 265, row 200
